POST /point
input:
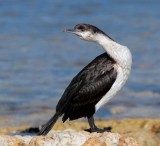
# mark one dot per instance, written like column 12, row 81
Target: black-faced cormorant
column 96, row 83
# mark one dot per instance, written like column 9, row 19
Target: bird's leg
column 92, row 124
column 93, row 127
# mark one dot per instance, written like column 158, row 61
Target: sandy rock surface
column 69, row 138
column 144, row 131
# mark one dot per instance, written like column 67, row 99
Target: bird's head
column 87, row 32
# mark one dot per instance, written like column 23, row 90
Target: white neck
column 123, row 59
column 119, row 53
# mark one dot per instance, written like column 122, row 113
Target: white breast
column 122, row 76
column 123, row 59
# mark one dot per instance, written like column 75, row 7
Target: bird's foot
column 98, row 130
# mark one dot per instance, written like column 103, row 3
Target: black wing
column 87, row 88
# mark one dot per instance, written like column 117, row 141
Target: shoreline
column 117, row 125
column 145, row 131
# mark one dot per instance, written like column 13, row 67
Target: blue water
column 38, row 60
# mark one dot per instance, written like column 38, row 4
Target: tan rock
column 145, row 131
column 68, row 138
column 145, row 137
column 94, row 142
column 10, row 141
column 41, row 141
column 104, row 139
column 156, row 128
column 110, row 139
column 127, row 141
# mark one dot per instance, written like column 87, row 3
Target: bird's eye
column 80, row 27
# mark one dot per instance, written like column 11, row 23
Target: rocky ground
column 125, row 132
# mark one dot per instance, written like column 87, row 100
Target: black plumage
column 85, row 90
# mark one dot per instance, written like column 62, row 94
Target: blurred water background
column 38, row 60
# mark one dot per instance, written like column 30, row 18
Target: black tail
column 47, row 127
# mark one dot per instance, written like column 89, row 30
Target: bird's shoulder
column 96, row 70
column 99, row 66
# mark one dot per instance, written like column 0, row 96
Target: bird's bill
column 73, row 31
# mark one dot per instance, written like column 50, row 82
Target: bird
column 96, row 83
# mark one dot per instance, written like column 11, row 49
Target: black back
column 87, row 88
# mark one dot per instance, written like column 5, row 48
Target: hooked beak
column 73, row 31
